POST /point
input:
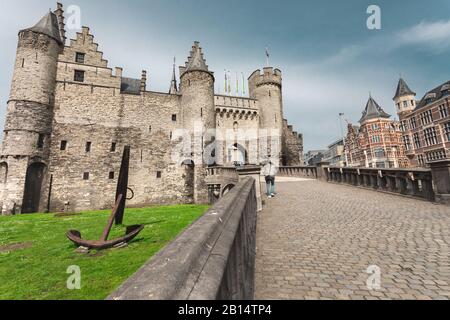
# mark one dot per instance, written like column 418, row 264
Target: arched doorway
column 33, row 186
column 189, row 177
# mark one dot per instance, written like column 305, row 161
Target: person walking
column 270, row 170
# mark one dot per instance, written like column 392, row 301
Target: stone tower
column 28, row 126
column 198, row 115
column 405, row 99
column 267, row 89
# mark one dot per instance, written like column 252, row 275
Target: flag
column 267, row 56
column 226, row 82
column 237, row 84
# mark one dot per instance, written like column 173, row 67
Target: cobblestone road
column 316, row 240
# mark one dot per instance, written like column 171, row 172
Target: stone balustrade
column 412, row 182
column 213, row 259
column 299, row 172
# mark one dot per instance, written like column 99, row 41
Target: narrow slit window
column 63, row 145
column 86, row 176
column 88, row 146
column 113, row 147
column 158, row 174
column 174, row 118
column 40, row 142
column 111, row 175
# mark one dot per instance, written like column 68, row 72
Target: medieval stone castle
column 69, row 117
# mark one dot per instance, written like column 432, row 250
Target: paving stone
column 318, row 239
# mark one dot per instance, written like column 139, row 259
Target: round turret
column 267, row 89
column 405, row 99
column 198, row 116
column 28, row 124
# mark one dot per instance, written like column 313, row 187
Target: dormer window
column 429, row 98
column 79, row 57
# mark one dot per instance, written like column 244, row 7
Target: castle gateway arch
column 33, row 187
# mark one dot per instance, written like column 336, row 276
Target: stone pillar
column 441, row 180
column 255, row 173
column 322, row 174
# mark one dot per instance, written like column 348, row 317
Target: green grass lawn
column 37, row 269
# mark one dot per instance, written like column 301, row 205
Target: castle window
column 40, row 142
column 413, row 123
column 426, row 117
column 416, row 138
column 174, row 118
column 149, row 129
column 88, row 146
column 23, row 63
column 86, row 176
column 443, row 111
column 158, row 174
column 201, row 112
column 79, row 57
column 63, row 145
column 111, row 175
column 113, row 147
column 430, row 136
column 78, row 76
column 447, row 130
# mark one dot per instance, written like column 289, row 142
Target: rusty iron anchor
column 116, row 215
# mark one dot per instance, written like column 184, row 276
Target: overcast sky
column 329, row 58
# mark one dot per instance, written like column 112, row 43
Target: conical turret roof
column 403, row 89
column 373, row 111
column 196, row 61
column 48, row 25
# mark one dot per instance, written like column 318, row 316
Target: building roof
column 434, row 95
column 129, row 85
column 48, row 25
column 373, row 111
column 403, row 89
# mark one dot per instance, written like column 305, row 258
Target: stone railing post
column 255, row 173
column 441, row 179
column 322, row 174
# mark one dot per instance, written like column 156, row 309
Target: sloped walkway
column 316, row 240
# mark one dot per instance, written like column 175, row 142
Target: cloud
column 431, row 37
column 434, row 35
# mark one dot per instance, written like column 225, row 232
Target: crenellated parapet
column 269, row 76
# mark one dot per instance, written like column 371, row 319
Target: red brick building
column 425, row 124
column 377, row 142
